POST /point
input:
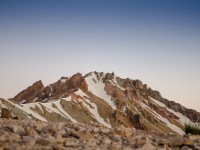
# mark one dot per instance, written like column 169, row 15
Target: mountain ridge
column 104, row 98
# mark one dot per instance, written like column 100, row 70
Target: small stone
column 132, row 140
column 116, row 137
column 43, row 142
column 71, row 143
column 105, row 131
column 186, row 148
column 176, row 142
column 2, row 147
column 140, row 142
column 67, row 133
column 58, row 138
column 17, row 129
column 171, row 133
column 29, row 131
column 89, row 129
column 96, row 130
column 50, row 128
column 86, row 136
column 3, row 138
column 14, row 137
column 62, row 132
column 148, row 146
column 197, row 145
column 60, row 125
column 76, row 134
column 163, row 142
column 58, row 147
column 92, row 143
column 116, row 146
column 82, row 129
column 39, row 126
column 123, row 131
column 195, row 138
column 29, row 140
column 107, row 141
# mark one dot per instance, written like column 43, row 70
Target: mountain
column 100, row 97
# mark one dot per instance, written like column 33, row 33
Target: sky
column 155, row 41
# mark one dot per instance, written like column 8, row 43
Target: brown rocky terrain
column 38, row 135
column 103, row 101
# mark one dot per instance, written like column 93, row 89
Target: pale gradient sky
column 155, row 41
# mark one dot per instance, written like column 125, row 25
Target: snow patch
column 166, row 121
column 58, row 110
column 182, row 119
column 98, row 89
column 35, row 99
column 95, row 113
column 51, row 90
column 57, row 103
column 23, row 101
column 63, row 80
column 28, row 110
column 80, row 93
column 45, row 99
column 68, row 99
column 50, row 108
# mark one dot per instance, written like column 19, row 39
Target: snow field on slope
column 166, row 121
column 182, row 119
column 93, row 110
column 26, row 108
column 59, row 109
column 49, row 108
column 98, row 89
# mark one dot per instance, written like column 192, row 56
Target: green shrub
column 191, row 128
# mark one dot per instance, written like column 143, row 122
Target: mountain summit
column 103, row 98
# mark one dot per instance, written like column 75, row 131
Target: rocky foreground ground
column 36, row 135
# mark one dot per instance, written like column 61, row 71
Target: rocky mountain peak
column 104, row 98
column 109, row 76
column 76, row 80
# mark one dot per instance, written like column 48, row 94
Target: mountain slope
column 104, row 98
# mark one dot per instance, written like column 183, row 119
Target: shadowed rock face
column 28, row 94
column 62, row 88
column 104, row 98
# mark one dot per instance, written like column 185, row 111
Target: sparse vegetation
column 192, row 128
